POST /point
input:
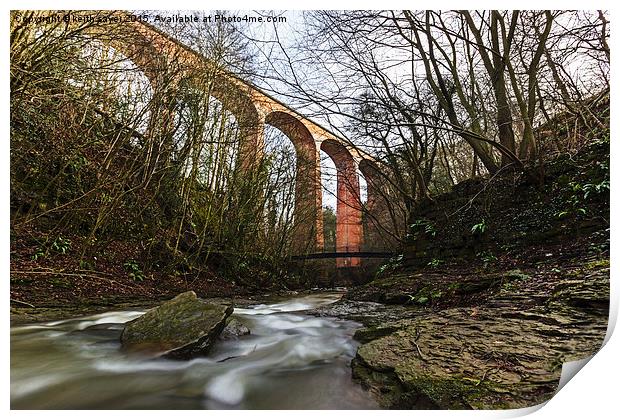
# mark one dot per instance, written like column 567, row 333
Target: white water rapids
column 290, row 361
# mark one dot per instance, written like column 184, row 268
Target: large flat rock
column 181, row 328
column 506, row 353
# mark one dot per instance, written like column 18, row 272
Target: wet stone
column 505, row 353
column 234, row 329
column 182, row 328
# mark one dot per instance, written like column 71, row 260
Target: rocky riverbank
column 500, row 283
column 483, row 338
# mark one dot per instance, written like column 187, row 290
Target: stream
column 289, row 361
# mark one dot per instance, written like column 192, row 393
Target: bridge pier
column 349, row 231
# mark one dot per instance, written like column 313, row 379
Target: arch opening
column 172, row 68
column 280, row 160
column 118, row 86
column 205, row 139
column 329, row 201
column 307, row 217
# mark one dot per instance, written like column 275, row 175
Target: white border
column 593, row 394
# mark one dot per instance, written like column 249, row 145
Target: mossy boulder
column 181, row 328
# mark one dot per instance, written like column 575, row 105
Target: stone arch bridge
column 155, row 53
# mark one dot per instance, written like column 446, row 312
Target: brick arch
column 307, row 214
column 139, row 50
column 168, row 63
column 159, row 55
column 349, row 230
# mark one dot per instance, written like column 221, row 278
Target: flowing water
column 289, row 361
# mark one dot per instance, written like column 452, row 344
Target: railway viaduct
column 158, row 55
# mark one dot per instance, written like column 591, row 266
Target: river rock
column 506, row 353
column 181, row 328
column 234, row 329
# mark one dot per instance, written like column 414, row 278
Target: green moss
column 60, row 282
column 427, row 294
column 21, row 280
column 422, row 300
column 478, row 285
column 457, row 392
column 509, row 286
column 589, row 266
column 516, row 275
column 366, row 335
column 386, row 387
column 596, row 264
